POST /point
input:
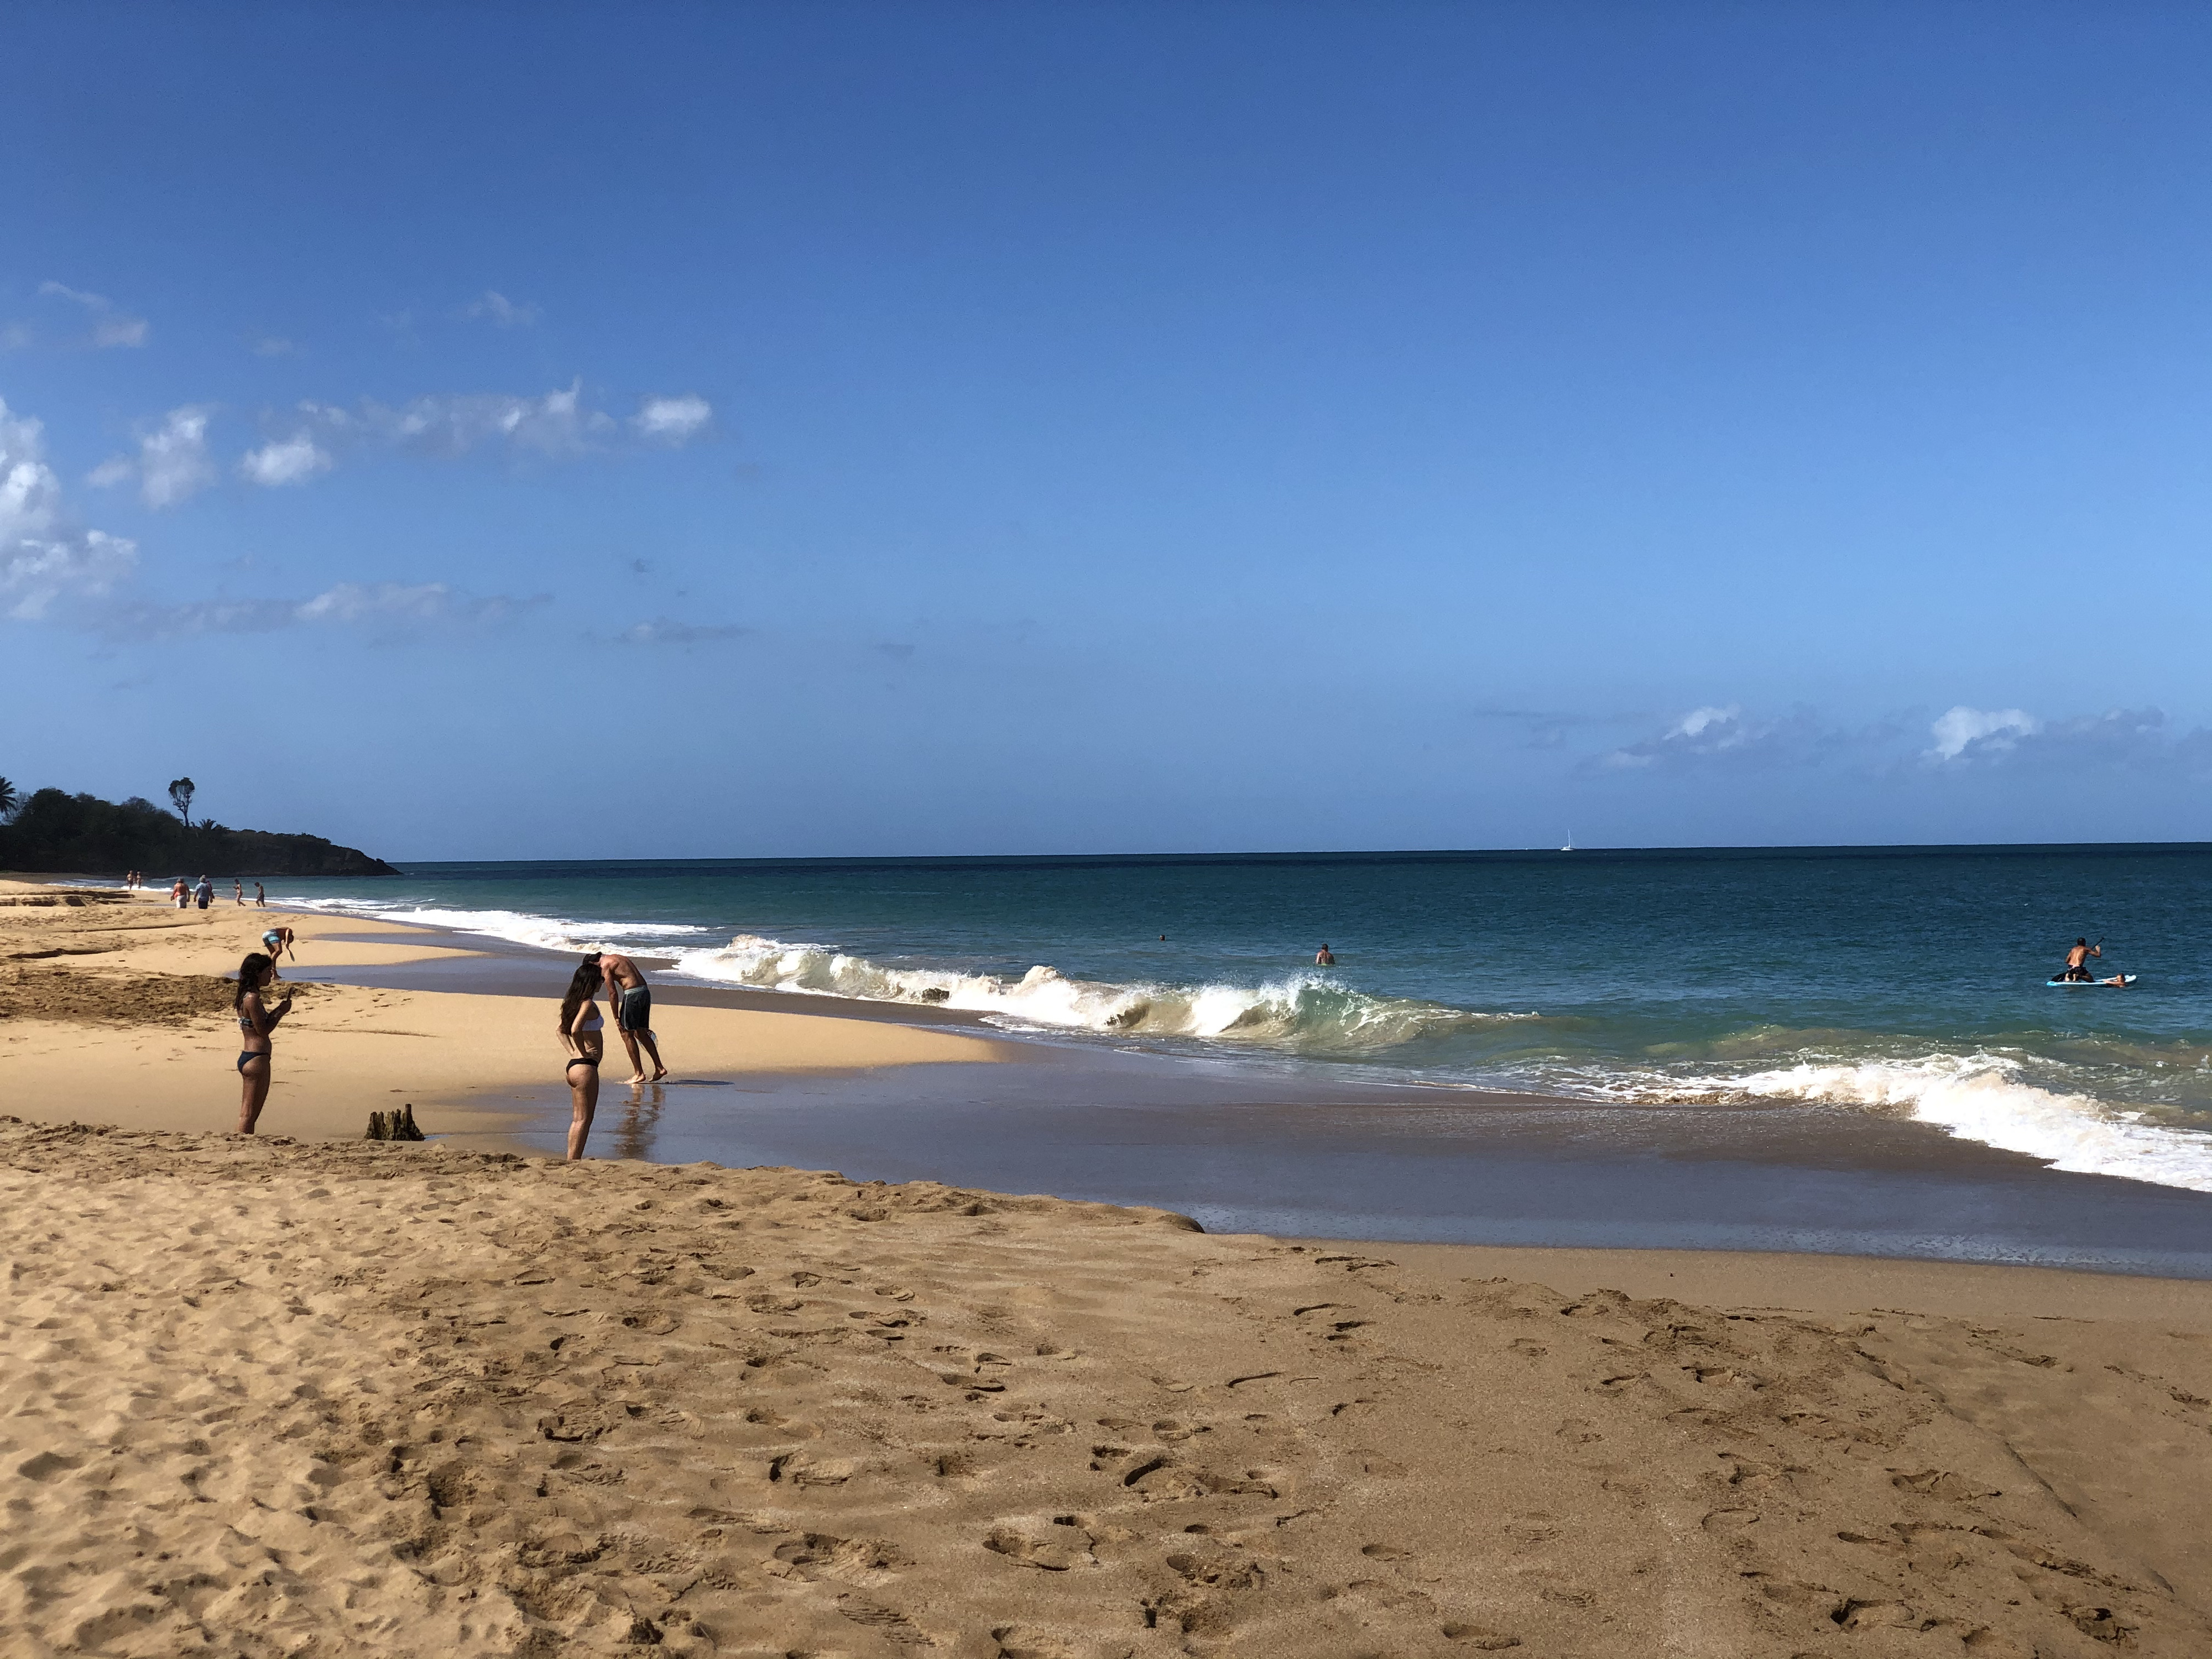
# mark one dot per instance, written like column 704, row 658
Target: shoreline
column 884, row 1092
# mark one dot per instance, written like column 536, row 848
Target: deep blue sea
column 1907, row 982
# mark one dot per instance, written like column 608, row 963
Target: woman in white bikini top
column 582, row 1035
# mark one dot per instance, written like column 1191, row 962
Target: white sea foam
column 1985, row 1098
column 1303, row 1011
column 520, row 927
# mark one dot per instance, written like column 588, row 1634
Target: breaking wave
column 518, row 926
column 1300, row 1014
column 1985, row 1098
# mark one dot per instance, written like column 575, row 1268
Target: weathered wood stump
column 393, row 1126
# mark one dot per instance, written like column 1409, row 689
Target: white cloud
column 497, row 309
column 171, row 464
column 110, row 327
column 285, row 461
column 556, row 425
column 34, row 573
column 173, row 460
column 42, row 556
column 273, row 345
column 1960, row 730
column 672, row 420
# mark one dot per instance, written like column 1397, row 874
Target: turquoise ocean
column 1899, row 982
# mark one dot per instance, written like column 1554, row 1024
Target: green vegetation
column 52, row 830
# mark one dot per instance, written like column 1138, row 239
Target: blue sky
column 821, row 428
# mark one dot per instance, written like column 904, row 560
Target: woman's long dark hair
column 583, row 983
column 249, row 978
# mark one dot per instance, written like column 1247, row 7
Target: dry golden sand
column 265, row 1397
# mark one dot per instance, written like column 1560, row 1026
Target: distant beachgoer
column 260, row 897
column 181, row 893
column 2077, row 959
column 278, row 942
column 1324, row 958
column 205, row 894
column 238, row 889
column 255, row 1024
column 581, row 1036
column 633, row 1000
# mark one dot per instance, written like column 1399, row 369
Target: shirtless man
column 2077, row 959
column 633, row 1000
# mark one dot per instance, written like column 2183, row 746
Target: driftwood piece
column 393, row 1126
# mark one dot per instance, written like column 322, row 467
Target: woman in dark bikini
column 587, row 1043
column 255, row 1024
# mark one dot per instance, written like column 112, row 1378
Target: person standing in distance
column 633, row 1000
column 256, row 1021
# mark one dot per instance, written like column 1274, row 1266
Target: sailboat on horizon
column 1570, row 847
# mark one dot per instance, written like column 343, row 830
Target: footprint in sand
column 1025, row 1551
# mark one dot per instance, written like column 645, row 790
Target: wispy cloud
column 1961, row 740
column 1721, row 735
column 673, row 421
column 494, row 308
column 110, row 327
column 662, row 630
column 555, row 425
column 171, row 464
column 287, row 461
column 43, row 556
column 273, row 345
column 393, row 606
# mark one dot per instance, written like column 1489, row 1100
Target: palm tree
column 180, row 797
column 10, row 799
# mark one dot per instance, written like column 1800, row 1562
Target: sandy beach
column 116, row 1004
column 301, row 1393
